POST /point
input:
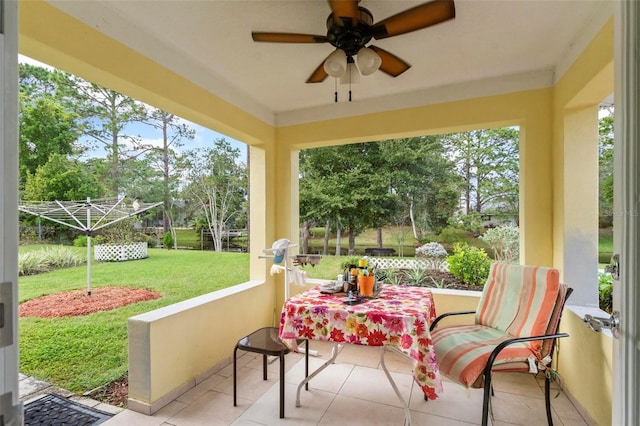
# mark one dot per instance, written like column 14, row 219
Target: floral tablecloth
column 399, row 316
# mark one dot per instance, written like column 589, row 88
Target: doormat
column 52, row 410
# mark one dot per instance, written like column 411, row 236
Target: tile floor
column 352, row 391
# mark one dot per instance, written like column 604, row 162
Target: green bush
column 471, row 222
column 81, row 241
column 452, row 235
column 167, row 240
column 469, row 264
column 38, row 261
column 504, row 240
column 605, row 291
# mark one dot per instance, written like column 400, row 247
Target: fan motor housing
column 348, row 35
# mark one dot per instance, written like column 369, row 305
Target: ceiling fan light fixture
column 336, row 64
column 351, row 76
column 368, row 61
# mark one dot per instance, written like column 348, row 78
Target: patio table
column 397, row 318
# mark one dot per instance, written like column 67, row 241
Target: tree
column 217, row 187
column 163, row 158
column 488, row 162
column 605, row 163
column 62, row 179
column 47, row 124
column 46, row 128
column 347, row 185
column 425, row 181
column 106, row 114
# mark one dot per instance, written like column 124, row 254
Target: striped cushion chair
column 515, row 328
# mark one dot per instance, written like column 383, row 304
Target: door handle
column 613, row 268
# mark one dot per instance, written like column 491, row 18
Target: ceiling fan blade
column 416, row 18
column 391, row 64
column 318, row 75
column 287, row 37
column 344, row 9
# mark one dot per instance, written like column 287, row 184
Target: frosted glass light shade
column 368, row 61
column 351, row 76
column 336, row 63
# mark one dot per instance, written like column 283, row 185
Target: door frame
column 626, row 235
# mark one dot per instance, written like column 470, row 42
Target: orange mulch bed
column 78, row 302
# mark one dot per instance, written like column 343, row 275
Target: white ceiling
column 491, row 46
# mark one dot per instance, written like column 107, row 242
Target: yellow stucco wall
column 163, row 341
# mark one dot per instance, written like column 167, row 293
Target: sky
column 203, row 137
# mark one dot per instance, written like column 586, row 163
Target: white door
column 626, row 295
column 10, row 409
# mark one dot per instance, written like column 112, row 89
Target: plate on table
column 331, row 288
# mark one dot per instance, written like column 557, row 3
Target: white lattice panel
column 407, row 263
column 120, row 253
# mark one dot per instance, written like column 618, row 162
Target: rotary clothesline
column 87, row 216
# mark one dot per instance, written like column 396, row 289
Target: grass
column 82, row 353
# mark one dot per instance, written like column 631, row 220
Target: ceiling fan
column 349, row 29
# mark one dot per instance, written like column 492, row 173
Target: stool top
column 265, row 341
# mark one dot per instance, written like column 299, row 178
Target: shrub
column 469, row 264
column 452, row 235
column 38, row 261
column 504, row 241
column 81, row 241
column 415, row 276
column 435, row 254
column 394, row 277
column 167, row 240
column 470, row 222
column 605, row 291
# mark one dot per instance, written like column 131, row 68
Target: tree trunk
column 413, row 220
column 379, row 236
column 327, row 229
column 352, row 239
column 338, row 230
column 467, row 189
column 305, row 236
column 165, row 177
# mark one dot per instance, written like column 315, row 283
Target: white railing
column 120, row 252
column 406, row 263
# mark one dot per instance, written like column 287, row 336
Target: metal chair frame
column 488, row 388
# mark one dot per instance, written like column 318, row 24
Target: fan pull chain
column 350, row 69
column 335, row 83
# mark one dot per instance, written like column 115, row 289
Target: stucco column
column 580, row 204
column 536, row 184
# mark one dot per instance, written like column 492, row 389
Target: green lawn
column 82, row 353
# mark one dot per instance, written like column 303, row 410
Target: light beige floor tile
column 265, row 410
column 366, row 356
column 331, row 379
column 397, row 362
column 520, row 410
column 250, row 384
column 347, row 411
column 418, row 418
column 196, row 392
column 456, row 402
column 128, row 417
column 212, row 408
column 372, row 385
column 517, row 383
column 563, row 406
column 573, row 422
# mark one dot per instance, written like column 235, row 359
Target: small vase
column 366, row 284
